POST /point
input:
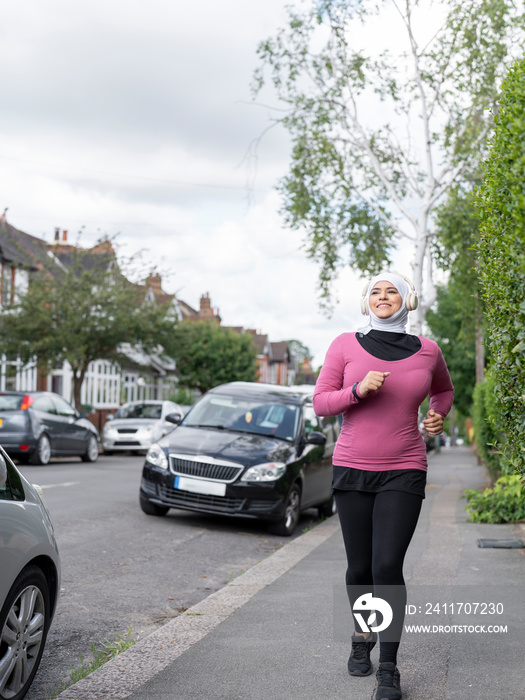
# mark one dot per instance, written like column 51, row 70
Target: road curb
column 121, row 676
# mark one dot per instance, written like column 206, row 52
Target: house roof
column 22, row 250
column 280, row 351
column 260, row 341
column 87, row 258
column 187, row 311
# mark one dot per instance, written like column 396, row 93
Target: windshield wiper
column 204, row 425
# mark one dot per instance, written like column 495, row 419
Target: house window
column 22, row 283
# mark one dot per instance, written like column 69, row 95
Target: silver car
column 138, row 424
column 29, row 579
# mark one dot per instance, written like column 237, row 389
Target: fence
column 15, row 376
column 105, row 385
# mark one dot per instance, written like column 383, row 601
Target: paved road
column 124, row 569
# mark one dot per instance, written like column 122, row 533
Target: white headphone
column 411, row 301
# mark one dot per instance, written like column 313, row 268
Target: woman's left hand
column 433, row 423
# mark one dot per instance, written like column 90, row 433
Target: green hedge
column 501, row 249
column 487, row 432
column 502, row 503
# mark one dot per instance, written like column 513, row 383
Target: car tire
column 326, row 510
column 152, row 508
column 24, row 623
column 91, row 453
column 292, row 511
column 42, row 453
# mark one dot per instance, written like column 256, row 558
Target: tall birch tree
column 388, row 105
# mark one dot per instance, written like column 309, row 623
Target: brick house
column 139, row 375
column 106, row 386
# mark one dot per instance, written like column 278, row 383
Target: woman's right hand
column 372, row 382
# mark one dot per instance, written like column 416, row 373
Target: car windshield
column 10, row 402
column 245, row 415
column 152, row 411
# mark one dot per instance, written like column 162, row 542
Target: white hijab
column 396, row 323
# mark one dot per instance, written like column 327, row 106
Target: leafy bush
column 488, row 435
column 183, row 396
column 208, row 354
column 502, row 503
column 501, row 247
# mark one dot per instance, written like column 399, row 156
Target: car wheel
column 287, row 524
column 152, row 508
column 326, row 510
column 24, row 622
column 91, row 453
column 42, row 453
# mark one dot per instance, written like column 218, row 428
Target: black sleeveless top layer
column 389, row 346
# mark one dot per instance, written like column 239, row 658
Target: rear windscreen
column 10, row 403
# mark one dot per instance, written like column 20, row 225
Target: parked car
column 429, row 440
column 248, row 450
column 38, row 425
column 29, row 580
column 137, row 424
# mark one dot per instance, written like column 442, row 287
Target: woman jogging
column 378, row 378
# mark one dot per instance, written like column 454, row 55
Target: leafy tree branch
column 379, row 137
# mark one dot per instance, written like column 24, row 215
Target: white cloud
column 134, row 117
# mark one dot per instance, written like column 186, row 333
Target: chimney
column 155, row 282
column 64, row 236
column 57, row 234
column 2, row 218
column 205, row 306
column 206, row 311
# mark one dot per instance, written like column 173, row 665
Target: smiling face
column 385, row 300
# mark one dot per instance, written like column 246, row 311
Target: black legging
column 377, row 529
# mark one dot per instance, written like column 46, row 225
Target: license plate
column 207, row 488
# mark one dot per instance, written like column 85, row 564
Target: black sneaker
column 359, row 662
column 388, row 682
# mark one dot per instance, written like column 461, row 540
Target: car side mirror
column 3, row 472
column 174, row 418
column 110, row 416
column 315, row 438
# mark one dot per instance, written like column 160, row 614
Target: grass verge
column 99, row 656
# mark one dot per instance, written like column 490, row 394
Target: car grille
column 216, row 471
column 127, row 442
column 218, row 504
column 124, row 431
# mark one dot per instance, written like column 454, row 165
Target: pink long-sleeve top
column 381, row 430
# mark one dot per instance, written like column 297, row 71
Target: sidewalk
column 281, row 631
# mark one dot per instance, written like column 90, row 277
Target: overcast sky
column 134, row 118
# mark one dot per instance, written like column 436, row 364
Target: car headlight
column 269, row 471
column 157, row 457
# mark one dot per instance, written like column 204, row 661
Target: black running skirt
column 407, row 480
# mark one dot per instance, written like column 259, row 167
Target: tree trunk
column 452, row 425
column 417, row 318
column 79, row 375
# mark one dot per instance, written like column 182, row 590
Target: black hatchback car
column 36, row 425
column 248, row 450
